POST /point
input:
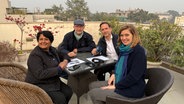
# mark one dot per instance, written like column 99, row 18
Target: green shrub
column 177, row 56
column 159, row 39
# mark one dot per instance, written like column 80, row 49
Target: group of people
column 47, row 64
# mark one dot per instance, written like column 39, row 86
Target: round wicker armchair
column 13, row 89
column 17, row 92
column 13, row 71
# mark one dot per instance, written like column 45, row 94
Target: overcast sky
column 107, row 5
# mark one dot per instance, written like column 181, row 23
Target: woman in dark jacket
column 128, row 80
column 45, row 68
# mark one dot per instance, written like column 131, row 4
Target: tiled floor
column 174, row 96
column 176, row 93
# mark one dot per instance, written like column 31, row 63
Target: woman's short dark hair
column 47, row 34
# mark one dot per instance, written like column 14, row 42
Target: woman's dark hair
column 47, row 34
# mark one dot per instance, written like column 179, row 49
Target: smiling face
column 44, row 42
column 126, row 37
column 106, row 30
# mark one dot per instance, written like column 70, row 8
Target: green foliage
column 115, row 26
column 141, row 16
column 174, row 14
column 159, row 39
column 49, row 12
column 77, row 9
column 57, row 11
column 177, row 56
column 102, row 17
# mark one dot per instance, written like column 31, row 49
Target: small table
column 83, row 67
column 80, row 78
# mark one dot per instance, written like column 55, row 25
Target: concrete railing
column 10, row 31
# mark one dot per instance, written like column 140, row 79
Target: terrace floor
column 174, row 96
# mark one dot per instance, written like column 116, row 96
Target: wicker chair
column 13, row 71
column 13, row 89
column 17, row 92
column 159, row 82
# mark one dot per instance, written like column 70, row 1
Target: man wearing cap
column 77, row 40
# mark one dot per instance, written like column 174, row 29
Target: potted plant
column 20, row 22
column 36, row 28
column 159, row 39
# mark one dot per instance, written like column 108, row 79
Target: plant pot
column 21, row 57
column 29, row 39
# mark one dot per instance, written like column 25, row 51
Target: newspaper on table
column 75, row 61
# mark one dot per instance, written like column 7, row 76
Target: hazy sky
column 107, row 5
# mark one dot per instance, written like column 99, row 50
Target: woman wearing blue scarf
column 128, row 79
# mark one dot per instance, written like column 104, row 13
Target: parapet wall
column 10, row 31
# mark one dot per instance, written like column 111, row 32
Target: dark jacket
column 133, row 84
column 103, row 45
column 43, row 69
column 85, row 44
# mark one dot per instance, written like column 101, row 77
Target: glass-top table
column 80, row 78
column 87, row 65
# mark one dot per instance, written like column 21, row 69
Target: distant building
column 3, row 5
column 123, row 15
column 6, row 9
column 179, row 21
column 15, row 10
column 164, row 16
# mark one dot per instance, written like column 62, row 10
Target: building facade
column 6, row 9
column 179, row 21
column 3, row 5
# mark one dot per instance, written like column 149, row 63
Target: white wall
column 10, row 31
column 3, row 5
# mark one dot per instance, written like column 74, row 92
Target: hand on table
column 63, row 64
column 73, row 53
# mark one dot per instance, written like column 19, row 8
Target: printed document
column 99, row 57
column 75, row 61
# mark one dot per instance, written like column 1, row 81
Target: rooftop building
column 3, row 5
column 6, row 9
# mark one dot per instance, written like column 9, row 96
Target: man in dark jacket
column 77, row 40
column 107, row 46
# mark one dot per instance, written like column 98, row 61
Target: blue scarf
column 121, row 65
